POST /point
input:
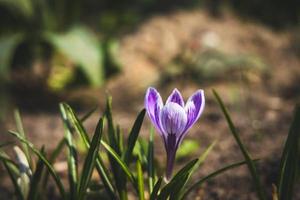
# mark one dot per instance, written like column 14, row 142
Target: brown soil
column 261, row 106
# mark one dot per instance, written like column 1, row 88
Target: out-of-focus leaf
column 62, row 72
column 24, row 7
column 251, row 165
column 83, row 48
column 8, row 46
column 112, row 61
column 289, row 159
column 186, row 148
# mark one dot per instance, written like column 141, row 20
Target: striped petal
column 153, row 105
column 173, row 119
column 176, row 98
column 194, row 107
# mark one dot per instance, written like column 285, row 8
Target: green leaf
column 20, row 129
column 52, row 158
column 187, row 147
column 134, row 135
column 251, row 166
column 8, row 45
column 72, row 153
column 117, row 158
column 35, row 180
column 24, row 7
column 210, row 176
column 101, row 169
column 140, row 180
column 10, row 172
column 289, row 159
column 90, row 161
column 81, row 46
column 5, row 158
column 176, row 180
column 5, row 144
column 177, row 193
column 112, row 137
column 88, row 114
column 150, row 159
column 115, row 143
column 44, row 159
column 155, row 190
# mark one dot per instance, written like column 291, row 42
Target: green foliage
column 82, row 47
column 187, row 148
column 129, row 167
column 251, row 165
column 54, row 26
column 8, row 46
column 289, row 163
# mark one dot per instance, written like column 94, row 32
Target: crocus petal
column 176, row 98
column 153, row 105
column 194, row 108
column 173, row 119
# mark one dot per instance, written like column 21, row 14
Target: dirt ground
column 261, row 106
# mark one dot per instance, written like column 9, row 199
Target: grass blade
column 52, row 158
column 101, row 169
column 44, row 159
column 117, row 158
column 90, row 161
column 251, row 166
column 112, row 137
column 140, row 180
column 176, row 180
column 289, row 159
column 155, row 190
column 5, row 144
column 88, row 114
column 103, row 172
column 5, row 158
column 35, row 180
column 13, row 172
column 150, row 160
column 72, row 154
column 20, row 129
column 210, row 176
column 177, row 193
column 134, row 135
column 13, row 179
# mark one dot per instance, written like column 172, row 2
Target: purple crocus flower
column 173, row 119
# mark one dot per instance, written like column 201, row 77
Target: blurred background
column 79, row 51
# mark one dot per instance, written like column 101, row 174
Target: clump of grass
column 130, row 167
